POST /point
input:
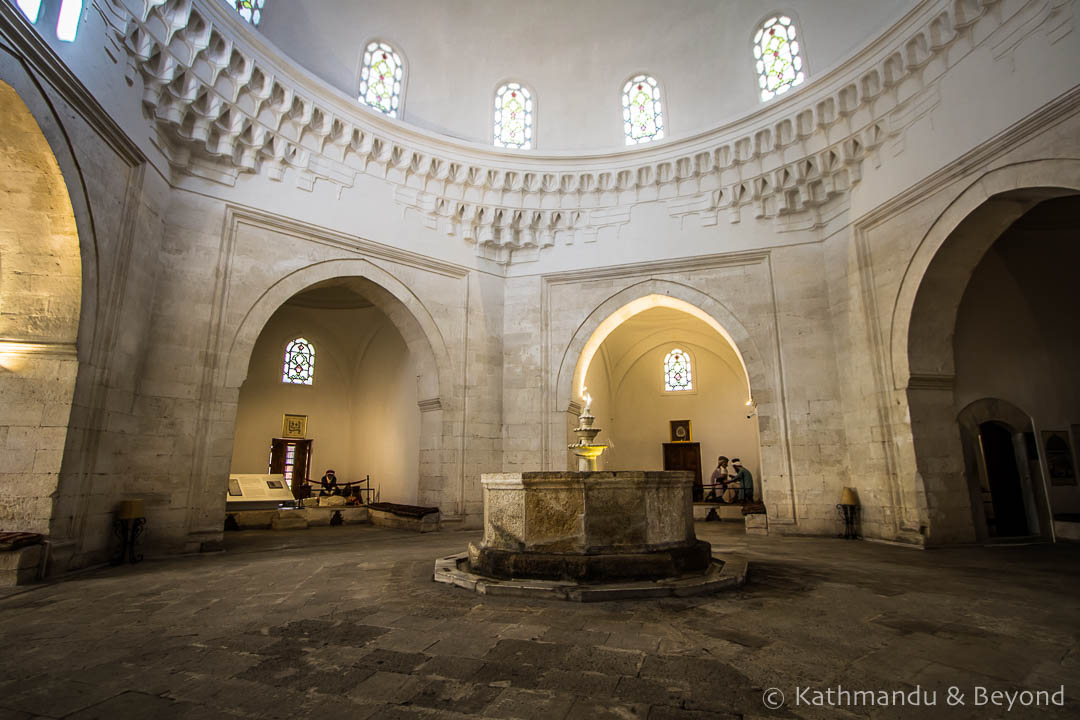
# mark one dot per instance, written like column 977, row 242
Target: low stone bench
column 348, row 515
column 300, row 518
column 20, row 558
column 726, row 512
column 405, row 517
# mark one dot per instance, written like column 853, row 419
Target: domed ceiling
column 575, row 55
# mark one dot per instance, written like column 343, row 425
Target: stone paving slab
column 351, row 626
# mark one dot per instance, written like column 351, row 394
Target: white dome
column 575, row 55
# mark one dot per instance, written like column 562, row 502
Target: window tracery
column 776, row 56
column 250, row 10
column 643, row 113
column 677, row 372
column 513, row 126
column 299, row 363
column 380, row 78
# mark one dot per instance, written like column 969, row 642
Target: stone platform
column 718, row 575
column 588, row 536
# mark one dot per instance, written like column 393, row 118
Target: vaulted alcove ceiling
column 338, row 294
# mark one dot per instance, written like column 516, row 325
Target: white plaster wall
column 362, row 407
column 576, row 56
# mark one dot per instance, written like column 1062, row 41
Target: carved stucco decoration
column 223, row 106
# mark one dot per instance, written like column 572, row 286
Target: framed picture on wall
column 680, row 431
column 293, row 426
column 1059, row 459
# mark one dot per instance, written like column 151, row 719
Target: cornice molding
column 16, row 347
column 223, row 105
column 932, row 381
column 666, row 267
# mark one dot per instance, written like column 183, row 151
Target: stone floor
column 345, row 622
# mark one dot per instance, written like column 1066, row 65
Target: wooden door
column 685, row 456
column 291, row 458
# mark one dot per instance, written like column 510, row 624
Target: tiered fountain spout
column 586, row 447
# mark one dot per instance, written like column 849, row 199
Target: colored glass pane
column 30, row 9
column 299, row 363
column 67, row 25
column 250, row 10
column 776, row 56
column 643, row 114
column 677, row 371
column 380, row 79
column 513, row 117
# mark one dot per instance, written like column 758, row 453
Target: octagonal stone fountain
column 589, row 535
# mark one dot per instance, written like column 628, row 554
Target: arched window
column 513, row 117
column 299, row 363
column 250, row 10
column 677, row 371
column 643, row 113
column 67, row 26
column 380, row 78
column 776, row 54
column 30, row 9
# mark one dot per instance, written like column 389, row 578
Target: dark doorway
column 292, row 458
column 1007, row 498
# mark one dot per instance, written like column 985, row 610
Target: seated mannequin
column 329, row 484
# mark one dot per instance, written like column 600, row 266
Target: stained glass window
column 513, row 117
column 30, row 9
column 299, row 363
column 250, row 10
column 67, row 25
column 776, row 52
column 380, row 78
column 677, row 371
column 643, row 114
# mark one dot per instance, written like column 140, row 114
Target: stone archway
column 924, row 323
column 937, row 274
column 421, row 335
column 761, row 381
column 40, row 310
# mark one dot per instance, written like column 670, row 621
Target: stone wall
column 807, row 232
column 40, row 289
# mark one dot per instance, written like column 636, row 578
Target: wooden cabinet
column 685, row 456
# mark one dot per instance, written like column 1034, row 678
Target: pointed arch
column 635, row 299
column 924, row 312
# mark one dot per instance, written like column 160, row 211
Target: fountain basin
column 588, row 526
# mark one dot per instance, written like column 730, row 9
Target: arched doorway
column 374, row 406
column 625, row 365
column 328, row 355
column 992, row 318
column 1005, row 512
column 1001, row 465
column 40, row 302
